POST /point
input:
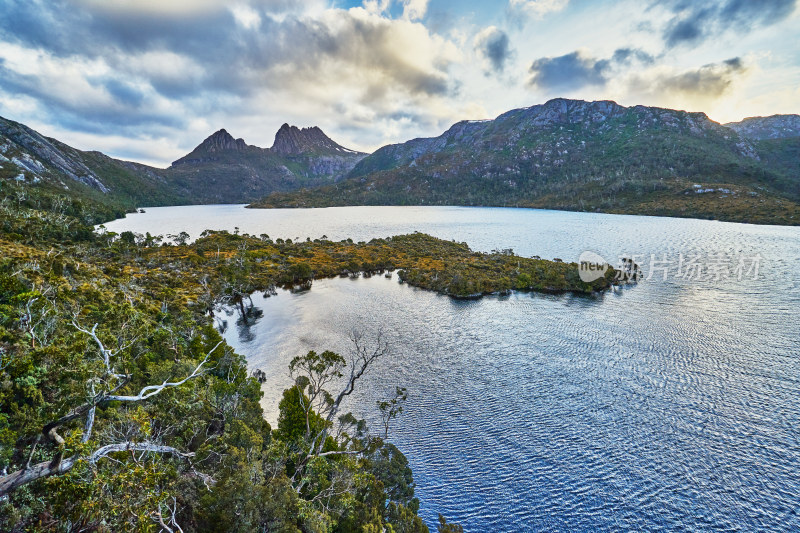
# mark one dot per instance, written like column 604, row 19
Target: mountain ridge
column 578, row 155
column 30, row 159
column 771, row 127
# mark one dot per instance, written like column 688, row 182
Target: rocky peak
column 291, row 140
column 566, row 111
column 222, row 140
column 219, row 142
column 773, row 127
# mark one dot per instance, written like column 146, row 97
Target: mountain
column 577, row 155
column 36, row 165
column 226, row 170
column 777, row 141
column 564, row 154
column 774, row 127
column 221, row 169
column 292, row 141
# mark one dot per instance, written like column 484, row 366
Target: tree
column 391, row 409
column 333, row 452
column 110, row 381
column 313, row 372
column 444, row 527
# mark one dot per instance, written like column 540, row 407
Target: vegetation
column 122, row 409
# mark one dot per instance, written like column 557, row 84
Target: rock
column 773, row 127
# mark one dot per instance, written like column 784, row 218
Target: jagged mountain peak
column 218, row 142
column 291, row 140
column 222, row 140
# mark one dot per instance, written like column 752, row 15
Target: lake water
column 673, row 405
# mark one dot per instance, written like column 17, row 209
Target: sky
column 148, row 80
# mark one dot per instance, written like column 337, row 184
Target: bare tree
column 171, row 524
column 313, row 373
column 38, row 316
column 111, row 381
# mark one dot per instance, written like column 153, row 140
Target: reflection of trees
column 247, row 317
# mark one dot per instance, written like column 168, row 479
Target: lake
column 671, row 405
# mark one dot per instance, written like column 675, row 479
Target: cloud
column 377, row 7
column 570, row 71
column 414, row 9
column 693, row 22
column 246, row 16
column 634, row 75
column 83, row 93
column 708, row 82
column 626, row 56
column 579, row 69
column 536, row 8
column 184, row 8
column 492, row 46
column 133, row 68
column 88, row 70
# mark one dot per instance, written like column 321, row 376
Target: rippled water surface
column 673, row 405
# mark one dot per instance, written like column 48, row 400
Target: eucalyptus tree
column 104, row 386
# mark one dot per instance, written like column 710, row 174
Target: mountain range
column 587, row 156
column 563, row 154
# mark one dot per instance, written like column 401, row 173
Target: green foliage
column 391, row 467
column 294, row 416
column 150, row 304
column 444, row 527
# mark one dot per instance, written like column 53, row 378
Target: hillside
column 219, row 170
column 32, row 165
column 583, row 156
column 773, row 127
column 227, row 170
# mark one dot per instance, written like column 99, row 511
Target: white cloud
column 537, row 8
column 414, row 9
column 376, row 7
column 698, row 89
column 246, row 16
